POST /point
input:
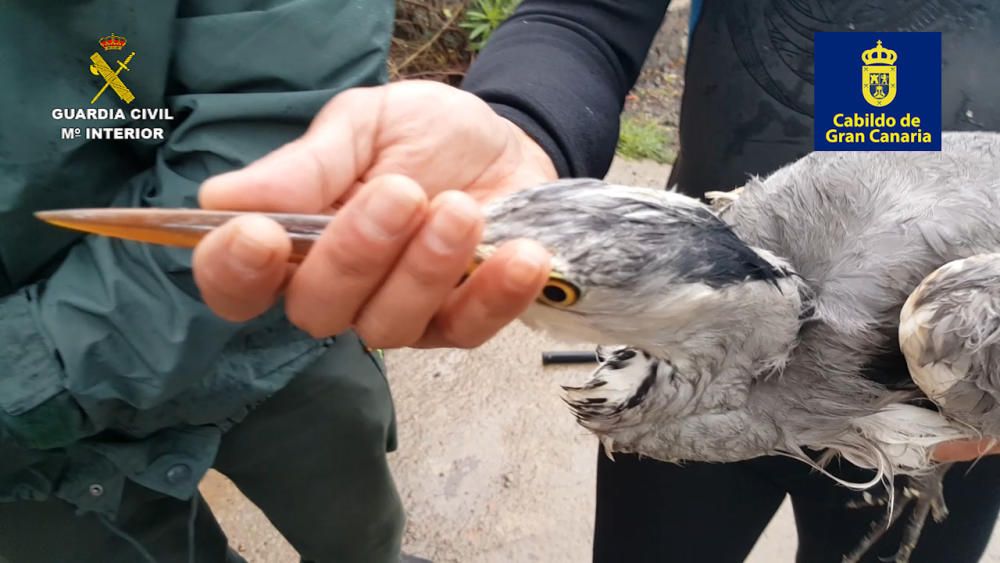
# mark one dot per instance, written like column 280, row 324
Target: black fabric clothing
column 747, row 106
column 649, row 512
column 561, row 71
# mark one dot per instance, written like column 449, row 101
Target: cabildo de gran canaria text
column 871, row 126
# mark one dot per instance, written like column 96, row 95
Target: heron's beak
column 178, row 227
column 186, row 227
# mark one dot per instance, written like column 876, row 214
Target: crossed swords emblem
column 102, row 68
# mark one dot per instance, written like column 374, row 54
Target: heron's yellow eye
column 559, row 292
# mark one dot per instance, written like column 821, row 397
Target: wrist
column 531, row 153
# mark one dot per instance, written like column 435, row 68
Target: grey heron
column 748, row 327
column 753, row 326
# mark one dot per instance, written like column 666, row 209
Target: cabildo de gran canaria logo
column 878, row 91
column 878, row 83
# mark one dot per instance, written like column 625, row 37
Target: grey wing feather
column 950, row 334
column 985, row 145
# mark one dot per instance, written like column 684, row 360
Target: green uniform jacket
column 110, row 365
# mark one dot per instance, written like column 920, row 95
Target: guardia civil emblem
column 112, row 78
column 878, row 76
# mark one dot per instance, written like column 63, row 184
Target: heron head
column 637, row 266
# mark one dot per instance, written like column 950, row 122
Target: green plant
column 483, row 18
column 643, row 139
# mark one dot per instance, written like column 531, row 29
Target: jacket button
column 178, row 474
column 96, row 490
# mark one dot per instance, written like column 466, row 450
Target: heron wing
column 950, row 335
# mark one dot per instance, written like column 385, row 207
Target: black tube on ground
column 568, row 357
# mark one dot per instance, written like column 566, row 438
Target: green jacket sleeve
column 121, row 321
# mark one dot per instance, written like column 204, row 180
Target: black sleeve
column 560, row 69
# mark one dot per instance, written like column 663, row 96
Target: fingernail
column 524, row 267
column 387, row 213
column 450, row 227
column 250, row 247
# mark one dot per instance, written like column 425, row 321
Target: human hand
column 408, row 165
column 966, row 450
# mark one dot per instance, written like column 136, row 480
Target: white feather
column 906, row 435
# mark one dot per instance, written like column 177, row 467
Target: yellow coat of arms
column 878, row 76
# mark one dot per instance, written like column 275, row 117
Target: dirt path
column 657, row 93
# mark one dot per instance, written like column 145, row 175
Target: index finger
column 311, row 173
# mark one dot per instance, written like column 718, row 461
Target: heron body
column 756, row 327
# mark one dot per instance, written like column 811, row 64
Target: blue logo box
column 878, row 91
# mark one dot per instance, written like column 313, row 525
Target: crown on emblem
column 879, row 55
column 112, row 42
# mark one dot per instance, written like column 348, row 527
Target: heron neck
column 749, row 327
